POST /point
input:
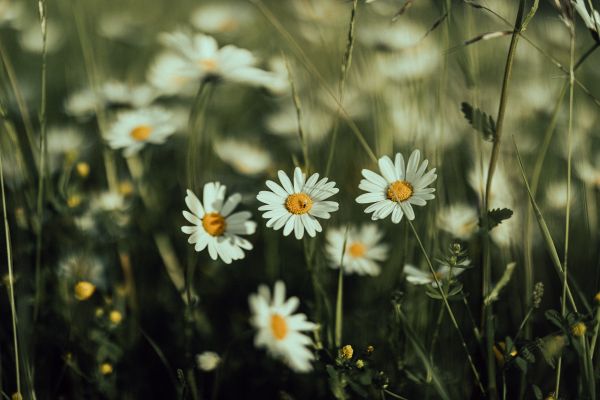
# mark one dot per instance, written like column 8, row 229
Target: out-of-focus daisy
column 316, row 123
column 204, row 59
column 169, row 74
column 222, row 17
column 132, row 130
column 244, row 157
column 459, row 220
column 10, row 12
column 82, row 103
column 419, row 277
column 412, row 63
column 589, row 173
column 401, row 35
column 207, row 361
column 31, row 37
column 556, row 195
column 363, row 250
column 397, row 188
column 280, row 331
column 296, row 206
column 64, row 143
column 116, row 92
column 216, row 226
column 81, row 267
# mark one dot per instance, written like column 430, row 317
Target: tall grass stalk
column 42, row 164
column 563, row 307
column 11, row 280
column 346, row 62
column 339, row 312
column 448, row 308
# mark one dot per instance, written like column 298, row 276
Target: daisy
column 222, row 17
column 121, row 93
column 204, row 59
column 398, row 189
column 133, row 129
column 280, row 331
column 419, row 277
column 214, row 225
column 459, row 220
column 295, row 207
column 168, row 74
column 207, row 361
column 244, row 157
column 362, row 249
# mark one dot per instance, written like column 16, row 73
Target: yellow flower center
column 278, row 326
column 208, row 64
column 214, row 224
column 298, row 203
column 399, row 191
column 228, row 25
column 357, row 250
column 84, row 290
column 579, row 329
column 141, row 132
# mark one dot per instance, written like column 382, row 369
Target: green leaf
column 537, row 392
column 480, row 121
column 497, row 215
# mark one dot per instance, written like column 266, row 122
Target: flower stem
column 448, row 308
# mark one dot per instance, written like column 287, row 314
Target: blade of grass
column 340, row 296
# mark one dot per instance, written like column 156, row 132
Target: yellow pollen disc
column 399, row 191
column 298, row 203
column 208, row 64
column 357, row 250
column 278, row 326
column 141, row 132
column 214, row 224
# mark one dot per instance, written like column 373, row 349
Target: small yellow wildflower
column 106, row 369
column 346, row 352
column 579, row 329
column 115, row 317
column 84, row 290
column 83, row 169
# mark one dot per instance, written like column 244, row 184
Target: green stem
column 448, row 308
column 340, row 296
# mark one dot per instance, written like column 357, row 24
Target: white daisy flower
column 244, row 157
column 419, row 277
column 207, row 361
column 459, row 220
column 204, row 59
column 280, row 331
column 222, row 17
column 116, row 92
column 132, row 130
column 296, row 207
column 362, row 252
column 82, row 104
column 214, row 225
column 168, row 74
column 398, row 189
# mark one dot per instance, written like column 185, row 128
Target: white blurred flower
column 588, row 172
column 591, row 18
column 65, row 142
column 10, row 12
column 244, row 157
column 82, row 267
column 556, row 195
column 214, row 224
column 116, row 92
column 202, row 58
column 419, row 277
column 316, row 122
column 169, row 74
column 279, row 330
column 82, row 103
column 132, row 130
column 296, row 206
column 398, row 188
column 31, row 40
column 363, row 249
column 222, row 17
column 412, row 63
column 207, row 361
column 400, row 35
column 459, row 220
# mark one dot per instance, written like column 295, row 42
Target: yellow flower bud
column 360, row 363
column 346, row 352
column 84, row 290
column 115, row 317
column 579, row 329
column 106, row 368
column 83, row 169
column 74, row 200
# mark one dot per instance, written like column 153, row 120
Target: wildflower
column 84, row 290
column 203, row 59
column 459, row 220
column 360, row 364
column 296, row 207
column 316, row 123
column 244, row 157
column 418, row 277
column 280, row 331
column 578, row 329
column 207, row 361
column 16, row 396
column 589, row 172
column 169, row 76
column 115, row 317
column 106, row 368
column 218, row 17
column 83, row 169
column 346, row 352
column 214, row 225
column 597, row 297
column 398, row 189
column 556, row 195
column 370, row 349
column 362, row 252
column 115, row 92
column 82, row 104
column 132, row 130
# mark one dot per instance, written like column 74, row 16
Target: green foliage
column 480, row 121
